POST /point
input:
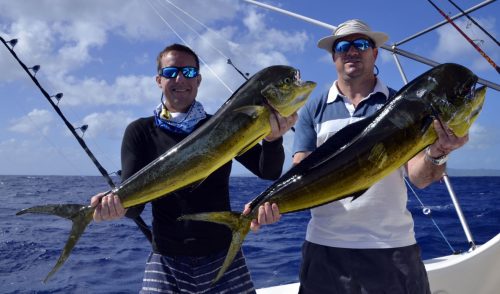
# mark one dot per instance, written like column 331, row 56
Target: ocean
column 110, row 256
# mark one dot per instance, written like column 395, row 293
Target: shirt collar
column 334, row 93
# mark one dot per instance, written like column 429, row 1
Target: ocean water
column 110, row 256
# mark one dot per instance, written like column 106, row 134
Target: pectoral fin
column 252, row 111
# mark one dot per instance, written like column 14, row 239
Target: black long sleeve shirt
column 143, row 142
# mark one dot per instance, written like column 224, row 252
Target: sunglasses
column 171, row 72
column 360, row 44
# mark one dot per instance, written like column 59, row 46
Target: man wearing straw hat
column 367, row 245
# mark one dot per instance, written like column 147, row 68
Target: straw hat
column 350, row 27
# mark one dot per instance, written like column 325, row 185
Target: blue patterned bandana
column 182, row 123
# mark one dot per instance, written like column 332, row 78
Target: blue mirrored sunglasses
column 171, row 72
column 360, row 44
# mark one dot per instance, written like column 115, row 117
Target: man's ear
column 199, row 79
column 158, row 81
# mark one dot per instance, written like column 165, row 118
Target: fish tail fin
column 80, row 215
column 239, row 225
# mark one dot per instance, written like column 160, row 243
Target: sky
column 102, row 56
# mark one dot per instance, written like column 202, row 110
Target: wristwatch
column 435, row 160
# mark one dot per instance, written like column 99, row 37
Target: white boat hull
column 475, row 272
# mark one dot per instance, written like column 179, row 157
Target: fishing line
column 490, row 61
column 245, row 76
column 428, row 212
column 187, row 44
column 192, row 29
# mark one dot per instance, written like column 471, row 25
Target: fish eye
column 287, row 80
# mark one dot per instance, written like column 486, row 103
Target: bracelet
column 435, row 160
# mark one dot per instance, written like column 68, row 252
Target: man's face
column 354, row 62
column 179, row 92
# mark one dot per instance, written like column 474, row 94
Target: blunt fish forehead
column 279, row 72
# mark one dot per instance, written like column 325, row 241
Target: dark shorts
column 366, row 271
column 184, row 274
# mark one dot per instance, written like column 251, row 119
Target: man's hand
column 446, row 142
column 108, row 207
column 268, row 214
column 280, row 125
column 421, row 171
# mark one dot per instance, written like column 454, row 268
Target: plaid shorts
column 186, row 274
column 362, row 271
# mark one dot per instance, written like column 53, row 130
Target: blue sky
column 101, row 55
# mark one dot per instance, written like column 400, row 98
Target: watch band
column 435, row 160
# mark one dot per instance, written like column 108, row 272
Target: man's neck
column 356, row 89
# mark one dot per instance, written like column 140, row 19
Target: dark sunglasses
column 360, row 44
column 171, row 72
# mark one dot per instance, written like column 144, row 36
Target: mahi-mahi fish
column 362, row 153
column 240, row 123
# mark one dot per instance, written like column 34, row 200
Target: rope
column 186, row 43
column 428, row 212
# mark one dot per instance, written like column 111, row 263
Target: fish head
column 456, row 100
column 284, row 91
column 463, row 119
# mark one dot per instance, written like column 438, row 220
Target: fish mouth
column 297, row 95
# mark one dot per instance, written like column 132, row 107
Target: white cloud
column 124, row 90
column 254, row 22
column 109, row 124
column 32, row 157
column 481, row 138
column 36, row 121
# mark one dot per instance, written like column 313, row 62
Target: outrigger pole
column 391, row 48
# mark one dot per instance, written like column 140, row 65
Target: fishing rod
column 490, row 61
column 474, row 22
column 139, row 221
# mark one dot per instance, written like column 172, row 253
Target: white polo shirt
column 377, row 219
